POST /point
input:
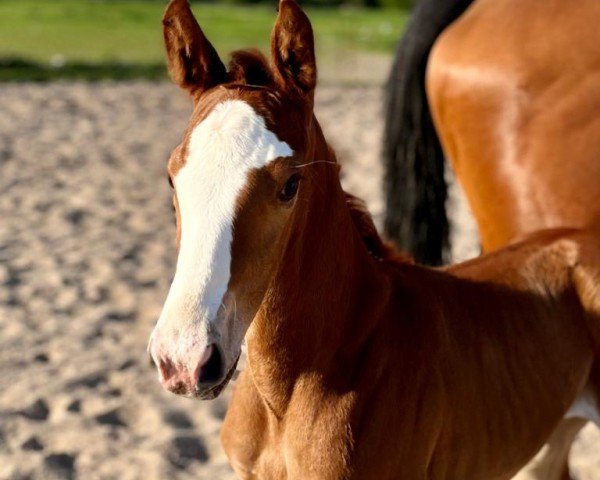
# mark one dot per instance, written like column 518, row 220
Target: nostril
column 212, row 370
column 166, row 369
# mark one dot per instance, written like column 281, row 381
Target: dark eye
column 288, row 192
column 170, row 180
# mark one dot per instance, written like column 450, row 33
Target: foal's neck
column 323, row 301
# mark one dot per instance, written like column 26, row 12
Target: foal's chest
column 306, row 444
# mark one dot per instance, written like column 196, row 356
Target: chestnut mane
column 249, row 67
column 377, row 247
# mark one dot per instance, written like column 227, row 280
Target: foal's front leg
column 243, row 430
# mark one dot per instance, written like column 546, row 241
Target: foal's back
column 495, row 352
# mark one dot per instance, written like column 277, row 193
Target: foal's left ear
column 194, row 64
column 293, row 49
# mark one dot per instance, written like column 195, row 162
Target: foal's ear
column 193, row 62
column 293, row 49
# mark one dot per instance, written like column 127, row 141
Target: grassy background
column 70, row 37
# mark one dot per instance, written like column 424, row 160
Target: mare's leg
column 552, row 461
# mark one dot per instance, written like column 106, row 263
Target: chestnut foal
column 360, row 364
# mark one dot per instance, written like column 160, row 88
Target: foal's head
column 237, row 179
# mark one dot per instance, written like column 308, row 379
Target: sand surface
column 86, row 257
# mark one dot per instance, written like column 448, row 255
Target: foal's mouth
column 213, row 391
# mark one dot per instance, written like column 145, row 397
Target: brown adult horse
column 360, row 364
column 514, row 91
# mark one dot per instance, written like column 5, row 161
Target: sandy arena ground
column 86, row 257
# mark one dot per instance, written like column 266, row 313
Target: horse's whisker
column 312, row 163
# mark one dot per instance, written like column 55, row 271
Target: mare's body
column 514, row 92
column 515, row 95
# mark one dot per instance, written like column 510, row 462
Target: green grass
column 128, row 33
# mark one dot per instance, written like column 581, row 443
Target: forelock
column 250, row 67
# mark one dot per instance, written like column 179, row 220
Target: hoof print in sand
column 59, row 466
column 121, row 316
column 131, row 255
column 41, row 358
column 112, row 418
column 38, row 411
column 178, row 419
column 186, row 449
column 11, row 278
column 88, row 381
column 32, row 444
column 74, row 406
column 127, row 364
column 75, row 217
column 114, row 392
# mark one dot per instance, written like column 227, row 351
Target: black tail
column 414, row 182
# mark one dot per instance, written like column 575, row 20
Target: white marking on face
column 229, row 143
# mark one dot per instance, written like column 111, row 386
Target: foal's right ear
column 193, row 62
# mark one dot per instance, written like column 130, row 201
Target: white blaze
column 230, row 142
